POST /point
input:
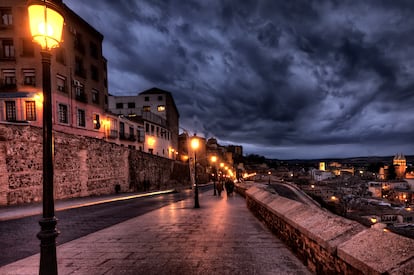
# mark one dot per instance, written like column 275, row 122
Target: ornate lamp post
column 46, row 24
column 213, row 160
column 195, row 143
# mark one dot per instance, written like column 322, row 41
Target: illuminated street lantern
column 214, row 160
column 195, row 143
column 46, row 24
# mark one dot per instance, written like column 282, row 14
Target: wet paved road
column 19, row 235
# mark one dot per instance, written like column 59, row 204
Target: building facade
column 156, row 110
column 78, row 73
column 78, row 79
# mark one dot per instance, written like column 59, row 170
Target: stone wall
column 82, row 166
column 329, row 244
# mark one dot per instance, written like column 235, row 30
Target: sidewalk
column 221, row 237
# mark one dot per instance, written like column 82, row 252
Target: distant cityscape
column 375, row 191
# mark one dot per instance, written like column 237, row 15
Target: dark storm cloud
column 286, row 79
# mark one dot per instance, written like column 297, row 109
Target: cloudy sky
column 285, row 79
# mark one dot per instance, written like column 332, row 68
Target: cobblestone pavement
column 221, row 237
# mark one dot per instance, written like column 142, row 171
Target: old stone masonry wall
column 82, row 166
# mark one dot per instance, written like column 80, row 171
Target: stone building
column 400, row 164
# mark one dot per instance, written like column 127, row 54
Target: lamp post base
column 47, row 237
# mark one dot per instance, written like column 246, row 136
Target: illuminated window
column 96, row 121
column 81, row 118
column 30, row 110
column 146, row 109
column 63, row 113
column 10, row 110
column 161, row 108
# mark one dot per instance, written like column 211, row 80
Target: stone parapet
column 330, row 244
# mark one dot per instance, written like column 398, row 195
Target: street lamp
column 195, row 143
column 46, row 24
column 269, row 173
column 213, row 160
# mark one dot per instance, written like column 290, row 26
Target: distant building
column 400, row 165
column 155, row 109
column 322, row 166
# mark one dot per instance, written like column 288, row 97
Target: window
column 158, row 131
column 27, row 47
column 152, row 129
column 61, row 83
column 63, row 114
column 81, row 118
column 29, row 77
column 79, row 69
column 147, row 127
column 131, row 134
column 6, row 17
column 161, row 108
column 146, row 98
column 30, row 110
column 131, row 105
column 94, row 73
column 146, row 109
column 9, row 78
column 93, row 50
column 60, row 55
column 96, row 121
column 79, row 43
column 160, row 98
column 119, row 105
column 140, row 134
column 10, row 111
column 121, row 130
column 7, row 49
column 95, row 96
column 80, row 93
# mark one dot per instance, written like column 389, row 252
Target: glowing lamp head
column 46, row 24
column 195, row 143
column 213, row 159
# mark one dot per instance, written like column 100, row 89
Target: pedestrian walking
column 219, row 187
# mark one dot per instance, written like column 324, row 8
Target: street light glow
column 46, row 26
